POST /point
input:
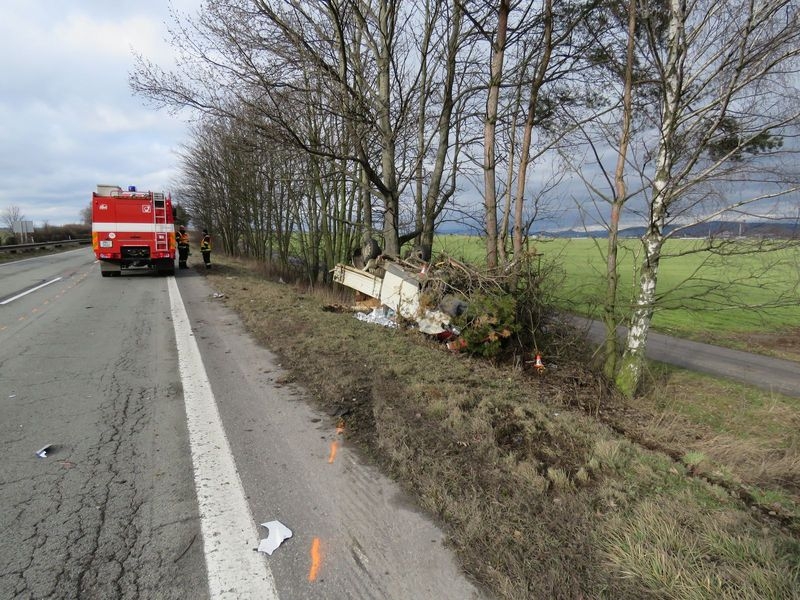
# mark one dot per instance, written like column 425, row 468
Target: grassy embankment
column 548, row 486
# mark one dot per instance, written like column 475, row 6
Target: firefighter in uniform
column 183, row 247
column 205, row 248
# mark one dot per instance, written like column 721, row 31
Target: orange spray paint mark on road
column 316, row 559
column 334, row 448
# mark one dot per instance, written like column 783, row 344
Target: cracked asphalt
column 89, row 366
column 110, row 512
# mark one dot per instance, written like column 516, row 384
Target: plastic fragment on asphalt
column 277, row 533
column 43, row 452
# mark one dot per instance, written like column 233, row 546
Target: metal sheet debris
column 359, row 280
column 434, row 322
column 380, row 316
column 278, row 532
column 400, row 291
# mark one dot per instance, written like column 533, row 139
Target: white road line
column 38, row 287
column 229, row 532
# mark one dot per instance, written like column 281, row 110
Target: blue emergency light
column 131, row 188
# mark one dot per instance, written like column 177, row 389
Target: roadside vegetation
column 415, row 113
column 549, row 484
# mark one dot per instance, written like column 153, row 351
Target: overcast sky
column 69, row 119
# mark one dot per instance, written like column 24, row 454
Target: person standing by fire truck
column 205, row 248
column 183, row 247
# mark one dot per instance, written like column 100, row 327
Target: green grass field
column 700, row 292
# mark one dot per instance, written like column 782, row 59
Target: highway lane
column 101, row 369
column 88, row 365
column 21, row 276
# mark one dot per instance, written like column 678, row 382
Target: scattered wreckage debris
column 397, row 296
column 468, row 309
column 42, row 452
column 278, row 532
column 428, row 296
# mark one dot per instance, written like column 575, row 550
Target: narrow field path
column 765, row 372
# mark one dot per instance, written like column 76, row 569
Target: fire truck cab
column 133, row 230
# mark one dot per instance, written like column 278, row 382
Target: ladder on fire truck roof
column 160, row 218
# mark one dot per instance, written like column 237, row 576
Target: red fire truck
column 133, row 230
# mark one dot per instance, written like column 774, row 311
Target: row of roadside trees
column 350, row 119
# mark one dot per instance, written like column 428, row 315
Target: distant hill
column 762, row 229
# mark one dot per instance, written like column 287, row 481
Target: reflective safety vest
column 205, row 245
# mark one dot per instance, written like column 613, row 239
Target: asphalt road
column 89, row 369
column 771, row 374
column 171, row 437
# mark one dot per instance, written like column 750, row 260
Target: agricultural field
column 747, row 301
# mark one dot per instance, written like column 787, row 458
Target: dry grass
column 669, row 543
column 748, row 438
column 539, row 497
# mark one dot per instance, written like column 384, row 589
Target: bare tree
column 697, row 122
column 727, row 85
column 86, row 215
column 533, row 50
column 446, row 146
column 614, row 62
column 352, row 63
column 498, row 48
column 12, row 214
column 619, row 198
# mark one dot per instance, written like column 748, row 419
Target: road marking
column 316, row 559
column 332, row 455
column 33, row 289
column 229, row 532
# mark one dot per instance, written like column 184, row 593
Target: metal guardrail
column 43, row 245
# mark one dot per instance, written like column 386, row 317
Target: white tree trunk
column 632, row 364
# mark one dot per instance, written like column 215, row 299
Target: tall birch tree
column 728, row 88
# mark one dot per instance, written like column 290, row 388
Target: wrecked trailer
column 399, row 290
